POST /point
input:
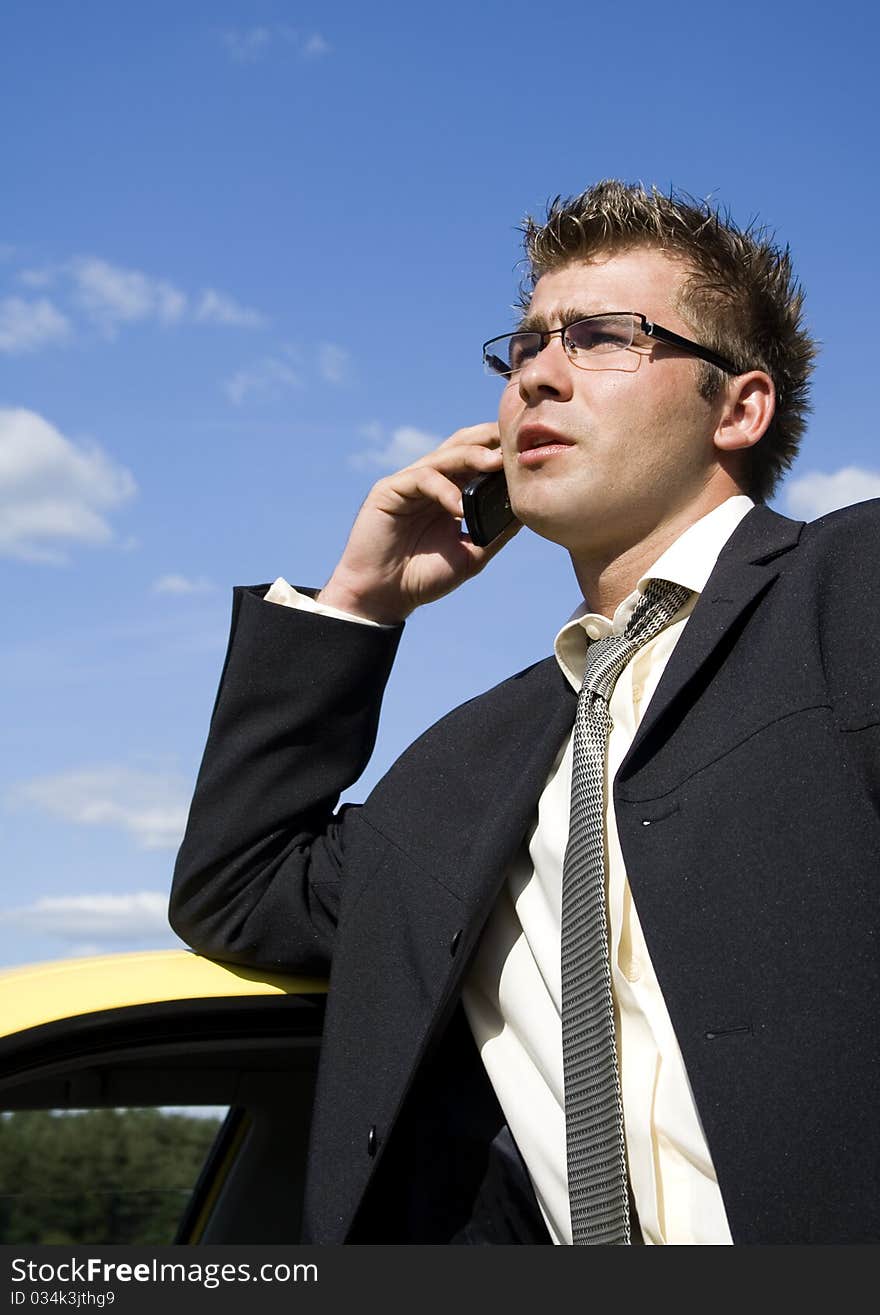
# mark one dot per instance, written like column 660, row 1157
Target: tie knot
column 607, row 657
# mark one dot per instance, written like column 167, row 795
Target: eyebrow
column 538, row 323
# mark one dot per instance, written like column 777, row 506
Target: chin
column 550, row 523
column 588, row 528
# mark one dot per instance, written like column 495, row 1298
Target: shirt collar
column 688, row 561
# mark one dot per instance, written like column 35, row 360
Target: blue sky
column 248, row 253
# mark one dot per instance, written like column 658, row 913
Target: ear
column 748, row 405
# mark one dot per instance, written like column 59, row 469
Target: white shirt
column 512, row 991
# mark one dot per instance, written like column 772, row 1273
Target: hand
column 406, row 546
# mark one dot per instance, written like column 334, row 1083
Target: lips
column 536, row 436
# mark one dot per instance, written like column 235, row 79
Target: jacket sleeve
column 264, row 860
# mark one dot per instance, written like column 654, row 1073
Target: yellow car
column 153, row 1098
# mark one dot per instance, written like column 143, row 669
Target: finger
column 486, row 434
column 481, row 556
column 411, row 488
column 461, row 460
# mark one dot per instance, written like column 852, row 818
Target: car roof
column 49, row 992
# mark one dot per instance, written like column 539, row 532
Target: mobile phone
column 487, row 509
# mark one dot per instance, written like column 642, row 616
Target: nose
column 549, row 374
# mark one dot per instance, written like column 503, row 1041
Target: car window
column 114, row 1175
column 114, row 1127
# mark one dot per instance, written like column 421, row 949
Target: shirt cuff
column 284, row 594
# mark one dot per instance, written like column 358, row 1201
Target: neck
column 608, row 574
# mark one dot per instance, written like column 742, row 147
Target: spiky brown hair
column 739, row 293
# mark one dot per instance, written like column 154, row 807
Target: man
column 653, row 395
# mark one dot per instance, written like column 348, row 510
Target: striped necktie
column 597, row 1175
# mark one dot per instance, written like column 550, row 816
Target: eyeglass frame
column 648, row 327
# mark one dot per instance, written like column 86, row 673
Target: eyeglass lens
column 586, row 342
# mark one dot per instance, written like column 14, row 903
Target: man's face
column 636, row 452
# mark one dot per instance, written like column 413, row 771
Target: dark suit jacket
column 748, row 817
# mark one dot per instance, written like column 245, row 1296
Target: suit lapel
column 499, row 749
column 514, row 734
column 540, row 723
column 746, row 568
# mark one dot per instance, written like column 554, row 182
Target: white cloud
column 181, row 584
column 150, row 806
column 266, row 379
column 28, row 325
column 334, row 363
column 315, row 46
column 112, row 296
column 814, row 494
column 216, row 308
column 37, row 278
column 288, row 368
column 246, row 45
column 405, row 445
column 53, row 491
column 89, row 922
column 109, row 297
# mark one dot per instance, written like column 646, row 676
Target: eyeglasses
column 597, row 342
